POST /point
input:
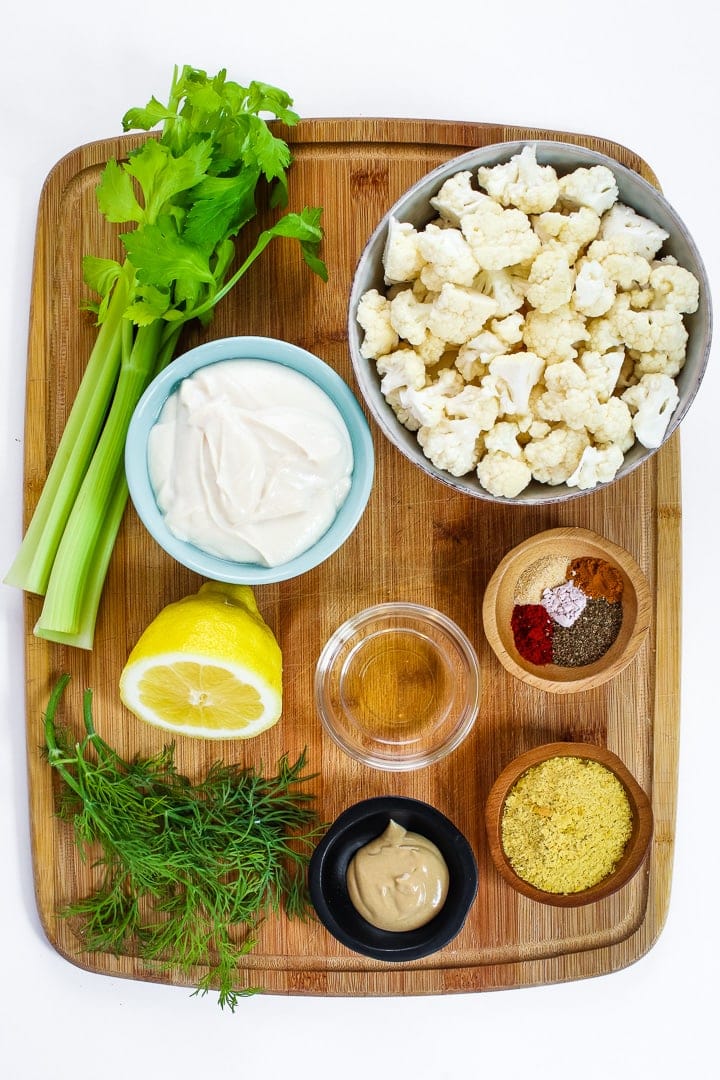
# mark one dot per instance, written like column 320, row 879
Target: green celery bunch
column 186, row 196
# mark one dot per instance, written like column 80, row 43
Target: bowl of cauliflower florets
column 530, row 321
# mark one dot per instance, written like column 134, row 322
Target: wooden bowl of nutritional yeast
column 561, row 814
column 566, row 610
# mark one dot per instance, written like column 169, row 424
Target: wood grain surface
column 418, row 541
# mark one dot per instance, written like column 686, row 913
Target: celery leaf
column 163, row 176
column 153, row 114
column 116, row 196
column 100, row 274
column 221, row 206
column 160, row 256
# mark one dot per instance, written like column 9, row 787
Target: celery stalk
column 73, row 565
column 87, row 592
column 32, row 565
column 93, row 585
column 183, row 198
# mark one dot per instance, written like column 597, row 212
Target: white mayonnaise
column 250, row 460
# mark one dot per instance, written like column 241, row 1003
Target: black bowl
column 357, row 826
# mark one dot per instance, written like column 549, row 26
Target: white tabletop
column 643, row 75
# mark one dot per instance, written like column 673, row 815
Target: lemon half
column 207, row 666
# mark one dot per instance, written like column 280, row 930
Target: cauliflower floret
column 646, row 238
column 653, row 401
column 521, row 182
column 627, row 376
column 554, row 335
column 474, row 356
column 506, row 289
column 452, row 445
column 428, row 404
column 551, row 280
column 612, row 423
column 594, row 187
column 654, row 363
column 474, row 403
column 498, row 237
column 512, row 377
column 447, row 257
column 660, row 330
column 401, row 259
column 577, row 408
column 593, row 294
column 569, row 397
column 431, row 349
column 566, row 375
column 502, row 475
column 602, row 371
column 503, row 437
column 457, row 197
column 596, row 466
column 510, row 329
column 373, row 314
column 620, row 263
column 409, row 316
column 555, row 457
column 574, row 230
column 458, row 314
column 674, row 288
column 400, row 369
column 537, row 429
column 641, row 298
column 604, row 333
column 402, row 414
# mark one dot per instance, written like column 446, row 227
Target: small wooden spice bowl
column 635, row 849
column 559, row 544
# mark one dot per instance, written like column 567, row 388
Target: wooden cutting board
column 418, row 541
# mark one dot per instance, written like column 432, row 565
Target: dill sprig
column 187, row 871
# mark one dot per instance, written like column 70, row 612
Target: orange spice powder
column 597, row 578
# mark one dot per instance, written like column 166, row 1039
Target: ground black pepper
column 590, row 636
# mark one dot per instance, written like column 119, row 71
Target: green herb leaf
column 221, row 207
column 153, row 114
column 185, row 871
column 116, row 196
column 160, row 256
column 162, row 176
column 262, row 97
column 303, row 227
column 100, row 274
column 151, row 304
column 189, row 192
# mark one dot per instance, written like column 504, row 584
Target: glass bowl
column 397, row 686
column 248, row 348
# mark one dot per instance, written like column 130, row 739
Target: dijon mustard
column 399, row 881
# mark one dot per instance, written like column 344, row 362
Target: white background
column 641, row 74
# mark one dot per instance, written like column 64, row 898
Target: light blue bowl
column 248, row 348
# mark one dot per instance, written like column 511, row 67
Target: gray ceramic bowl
column 414, row 207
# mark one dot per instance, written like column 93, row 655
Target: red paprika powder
column 532, row 630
